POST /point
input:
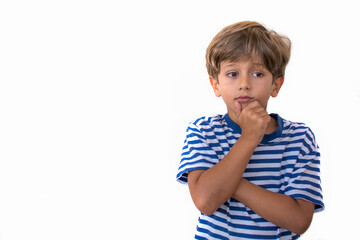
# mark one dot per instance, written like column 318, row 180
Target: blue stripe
column 271, row 186
column 262, row 169
column 263, row 178
column 195, row 135
column 193, row 142
column 198, row 120
column 211, row 156
column 238, row 217
column 252, row 236
column 314, row 161
column 319, row 204
column 211, row 234
column 217, row 227
column 309, row 167
column 256, row 228
column 306, row 182
column 200, row 238
column 266, row 152
column 287, row 233
column 302, row 174
column 309, row 183
column 315, row 193
column 259, row 161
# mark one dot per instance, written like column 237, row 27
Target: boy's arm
column 284, row 211
column 210, row 188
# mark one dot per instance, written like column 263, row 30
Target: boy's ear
column 215, row 85
column 277, row 86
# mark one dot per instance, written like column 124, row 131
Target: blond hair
column 244, row 41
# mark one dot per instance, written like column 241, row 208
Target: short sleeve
column 305, row 182
column 196, row 153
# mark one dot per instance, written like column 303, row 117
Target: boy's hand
column 253, row 120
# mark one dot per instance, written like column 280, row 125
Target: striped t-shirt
column 286, row 161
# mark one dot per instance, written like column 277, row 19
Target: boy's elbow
column 302, row 226
column 301, row 229
column 207, row 211
column 205, row 206
column 304, row 218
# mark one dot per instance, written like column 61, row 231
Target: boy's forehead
column 233, row 63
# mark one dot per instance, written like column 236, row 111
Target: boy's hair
column 244, row 41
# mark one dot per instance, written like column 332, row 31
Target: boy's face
column 244, row 82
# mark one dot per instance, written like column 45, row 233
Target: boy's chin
column 244, row 105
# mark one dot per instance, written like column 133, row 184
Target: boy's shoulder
column 299, row 130
column 293, row 127
column 208, row 120
column 208, row 126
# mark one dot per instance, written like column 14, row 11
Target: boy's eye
column 257, row 74
column 232, row 74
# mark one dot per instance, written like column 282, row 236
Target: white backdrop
column 95, row 97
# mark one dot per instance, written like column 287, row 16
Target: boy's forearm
column 216, row 185
column 282, row 210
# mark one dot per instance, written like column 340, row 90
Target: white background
column 95, row 97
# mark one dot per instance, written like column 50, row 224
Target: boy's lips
column 243, row 99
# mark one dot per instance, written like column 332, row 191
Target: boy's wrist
column 250, row 141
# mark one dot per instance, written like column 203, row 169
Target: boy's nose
column 244, row 83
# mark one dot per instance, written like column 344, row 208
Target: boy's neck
column 272, row 126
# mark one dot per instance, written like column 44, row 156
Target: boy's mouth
column 243, row 99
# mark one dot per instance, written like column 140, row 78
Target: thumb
column 237, row 108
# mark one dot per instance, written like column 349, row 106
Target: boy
column 252, row 175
